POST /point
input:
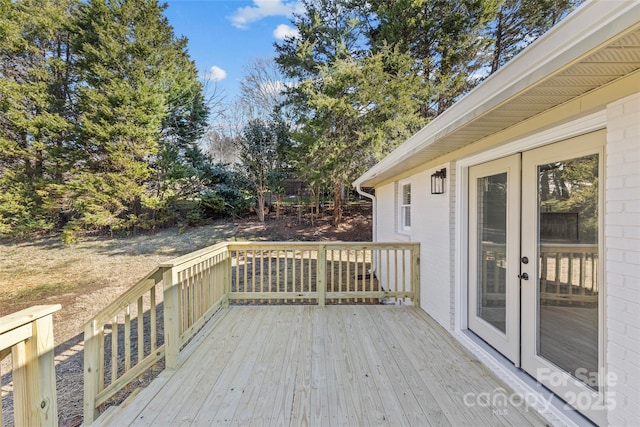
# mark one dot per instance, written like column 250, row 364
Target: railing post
column 43, row 337
column 29, row 336
column 171, row 319
column 24, row 394
column 321, row 277
column 92, row 371
column 227, row 278
column 415, row 273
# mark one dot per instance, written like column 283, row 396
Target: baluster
column 544, row 259
column 114, row 349
column 340, row 284
column 347, row 266
column 404, row 271
column 396, row 268
column 371, row 285
column 152, row 319
column 127, row 338
column 388, row 268
column 270, row 261
column 253, row 271
column 280, row 278
column 570, row 274
column 261, row 285
column 557, row 272
column 310, row 271
column 140, row 330
column 245, row 254
column 583, row 276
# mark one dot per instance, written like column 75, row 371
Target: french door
column 494, row 247
column 534, row 265
column 561, row 204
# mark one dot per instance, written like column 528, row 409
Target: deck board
column 302, row 393
column 260, row 393
column 398, row 400
column 334, row 365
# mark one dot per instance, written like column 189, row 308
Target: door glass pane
column 492, row 238
column 568, row 257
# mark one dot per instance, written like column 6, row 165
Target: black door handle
column 523, row 276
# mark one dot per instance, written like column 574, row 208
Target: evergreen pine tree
column 141, row 107
column 446, row 39
column 520, row 22
column 350, row 106
column 36, row 113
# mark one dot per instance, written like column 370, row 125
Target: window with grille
column 405, row 207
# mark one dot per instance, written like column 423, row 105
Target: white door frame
column 583, row 125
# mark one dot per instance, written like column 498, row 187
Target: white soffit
column 595, row 45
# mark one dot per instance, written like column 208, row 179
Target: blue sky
column 225, row 35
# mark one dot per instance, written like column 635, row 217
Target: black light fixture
column 437, row 181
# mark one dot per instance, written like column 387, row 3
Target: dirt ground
column 87, row 276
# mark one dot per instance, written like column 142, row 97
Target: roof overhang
column 595, row 45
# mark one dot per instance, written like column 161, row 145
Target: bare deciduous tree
column 262, row 88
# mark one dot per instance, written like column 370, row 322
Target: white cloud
column 273, row 88
column 263, row 9
column 284, row 30
column 216, row 74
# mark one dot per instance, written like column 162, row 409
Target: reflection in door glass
column 492, row 238
column 568, row 256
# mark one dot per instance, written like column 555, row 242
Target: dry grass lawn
column 87, row 276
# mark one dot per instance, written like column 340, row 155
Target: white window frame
column 402, row 207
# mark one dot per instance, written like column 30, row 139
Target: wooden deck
column 334, row 365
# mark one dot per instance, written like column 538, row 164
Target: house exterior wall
column 433, row 225
column 622, row 259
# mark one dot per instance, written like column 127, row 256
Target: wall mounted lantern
column 437, row 181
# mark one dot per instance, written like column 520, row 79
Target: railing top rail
column 297, row 245
column 220, row 247
column 199, row 254
column 131, row 294
column 552, row 247
column 328, row 244
column 574, row 247
column 28, row 315
column 371, row 245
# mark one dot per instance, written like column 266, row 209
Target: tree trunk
column 260, row 207
column 278, row 200
column 337, row 201
column 313, row 206
column 497, row 51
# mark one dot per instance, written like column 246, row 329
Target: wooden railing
column 198, row 284
column 320, row 273
column 493, row 270
column 28, row 336
column 568, row 273
column 195, row 287
column 122, row 342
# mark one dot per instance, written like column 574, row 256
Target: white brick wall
column 622, row 259
column 431, row 228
